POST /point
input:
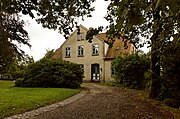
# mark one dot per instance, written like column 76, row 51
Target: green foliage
column 48, row 54
column 156, row 21
column 11, row 32
column 170, row 71
column 129, row 70
column 52, row 73
column 91, row 32
column 148, row 18
column 16, row 68
column 53, row 14
column 59, row 15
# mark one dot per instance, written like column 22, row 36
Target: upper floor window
column 81, row 50
column 68, row 52
column 95, row 49
column 80, row 36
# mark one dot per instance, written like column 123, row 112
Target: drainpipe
column 103, row 62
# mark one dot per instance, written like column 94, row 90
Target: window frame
column 80, row 37
column 68, row 52
column 112, row 71
column 80, row 51
column 82, row 67
column 95, row 49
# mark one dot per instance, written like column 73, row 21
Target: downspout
column 103, row 62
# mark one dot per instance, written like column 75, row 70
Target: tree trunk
column 155, row 82
column 155, row 56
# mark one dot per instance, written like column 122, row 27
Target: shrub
column 129, row 70
column 18, row 82
column 170, row 73
column 52, row 73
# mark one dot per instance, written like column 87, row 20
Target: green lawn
column 15, row 100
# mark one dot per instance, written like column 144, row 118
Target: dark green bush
column 172, row 103
column 129, row 70
column 170, row 73
column 18, row 82
column 52, row 73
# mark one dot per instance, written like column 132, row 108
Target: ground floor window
column 82, row 67
column 112, row 71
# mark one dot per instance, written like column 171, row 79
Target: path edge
column 38, row 111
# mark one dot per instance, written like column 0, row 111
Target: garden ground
column 15, row 100
column 102, row 102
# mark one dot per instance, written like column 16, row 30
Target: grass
column 14, row 100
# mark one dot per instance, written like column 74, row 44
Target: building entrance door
column 95, row 73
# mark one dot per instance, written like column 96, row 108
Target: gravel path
column 102, row 102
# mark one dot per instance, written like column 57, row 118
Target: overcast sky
column 42, row 39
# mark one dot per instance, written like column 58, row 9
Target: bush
column 52, row 73
column 170, row 73
column 172, row 103
column 18, row 82
column 129, row 70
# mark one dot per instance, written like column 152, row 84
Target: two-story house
column 95, row 58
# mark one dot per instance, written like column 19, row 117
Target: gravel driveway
column 102, row 102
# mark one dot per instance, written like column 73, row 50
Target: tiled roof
column 117, row 48
column 57, row 54
column 102, row 35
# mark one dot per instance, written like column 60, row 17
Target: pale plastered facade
column 95, row 67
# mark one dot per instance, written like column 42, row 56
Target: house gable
column 58, row 54
column 73, row 43
column 95, row 57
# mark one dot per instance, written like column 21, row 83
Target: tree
column 157, row 21
column 11, row 32
column 53, row 14
column 49, row 54
column 170, row 64
column 17, row 67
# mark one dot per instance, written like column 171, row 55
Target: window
column 112, row 71
column 68, row 52
column 81, row 50
column 80, row 36
column 82, row 67
column 95, row 49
